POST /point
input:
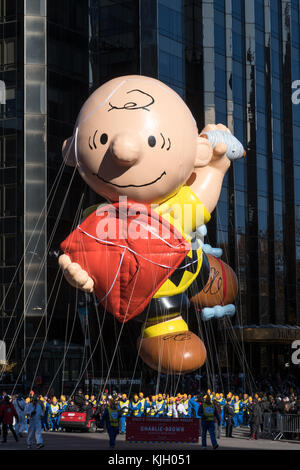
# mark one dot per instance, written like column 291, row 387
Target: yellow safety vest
column 160, row 407
column 135, row 408
column 152, row 409
column 208, row 412
column 124, row 407
column 54, row 409
column 236, row 406
column 113, row 417
column 142, row 401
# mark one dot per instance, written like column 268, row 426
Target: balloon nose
column 125, row 149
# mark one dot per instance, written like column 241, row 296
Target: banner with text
column 162, row 429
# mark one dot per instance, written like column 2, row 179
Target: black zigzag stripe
column 190, row 264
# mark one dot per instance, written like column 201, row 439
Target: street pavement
column 99, row 441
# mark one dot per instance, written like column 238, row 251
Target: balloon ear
column 68, row 151
column 204, row 152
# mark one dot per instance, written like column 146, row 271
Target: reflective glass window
column 171, row 55
column 219, row 33
column 8, row 201
column 7, row 54
column 8, row 10
column 238, row 89
column 237, row 8
column 237, row 47
column 222, row 215
column 221, row 110
column 10, row 107
column 259, row 14
column 8, row 151
column 8, row 250
column 296, row 143
column 219, row 5
column 239, row 174
column 170, row 22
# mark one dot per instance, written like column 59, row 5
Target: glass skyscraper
column 234, row 62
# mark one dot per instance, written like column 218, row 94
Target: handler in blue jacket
column 208, row 413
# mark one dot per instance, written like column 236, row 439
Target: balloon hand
column 75, row 275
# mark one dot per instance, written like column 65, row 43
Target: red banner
column 162, row 429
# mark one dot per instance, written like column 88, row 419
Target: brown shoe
column 173, row 353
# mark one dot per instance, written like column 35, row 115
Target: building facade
column 44, row 66
column 233, row 62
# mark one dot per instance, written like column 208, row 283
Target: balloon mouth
column 130, row 185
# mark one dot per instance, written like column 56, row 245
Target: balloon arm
column 207, row 184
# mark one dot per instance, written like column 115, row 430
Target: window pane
column 9, row 56
column 9, row 200
column 9, row 249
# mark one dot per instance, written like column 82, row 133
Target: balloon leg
column 169, row 347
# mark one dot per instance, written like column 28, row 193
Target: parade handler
column 35, row 413
column 136, row 144
column 111, row 417
column 208, row 414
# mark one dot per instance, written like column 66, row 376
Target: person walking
column 255, row 419
column 218, row 421
column 208, row 413
column 35, row 413
column 228, row 417
column 54, row 414
column 8, row 413
column 19, row 404
column 123, row 408
column 111, row 418
column 236, row 408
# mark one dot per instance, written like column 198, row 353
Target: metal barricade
column 278, row 424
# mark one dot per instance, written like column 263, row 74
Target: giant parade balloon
column 136, row 143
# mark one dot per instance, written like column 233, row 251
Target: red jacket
column 7, row 413
column 127, row 267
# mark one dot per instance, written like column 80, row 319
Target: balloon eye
column 103, row 139
column 151, row 141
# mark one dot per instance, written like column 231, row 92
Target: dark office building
column 232, row 61
column 44, row 65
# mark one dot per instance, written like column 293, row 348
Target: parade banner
column 162, row 429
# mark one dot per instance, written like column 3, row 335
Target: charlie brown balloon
column 136, row 143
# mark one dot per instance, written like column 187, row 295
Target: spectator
column 79, row 399
column 35, row 414
column 8, row 413
column 71, row 406
column 228, row 417
column 19, row 404
column 255, row 419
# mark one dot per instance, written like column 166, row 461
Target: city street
column 99, row 441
